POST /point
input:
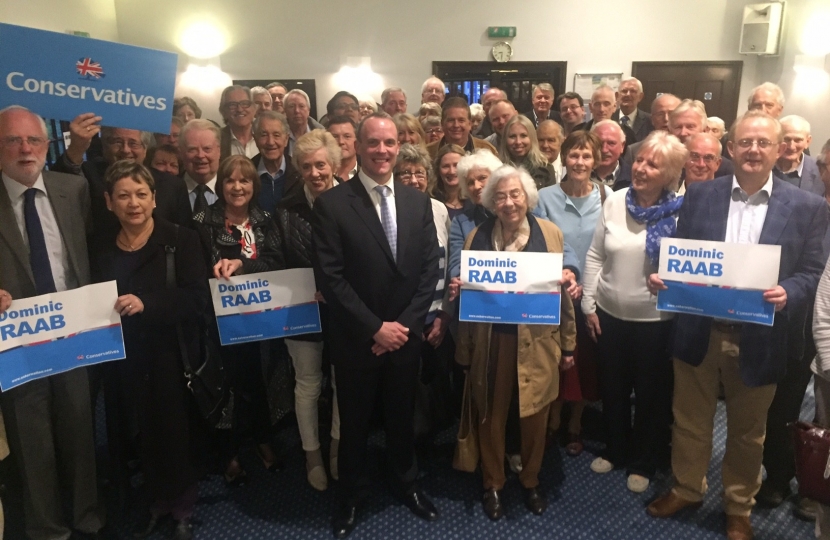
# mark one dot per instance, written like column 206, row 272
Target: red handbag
column 812, row 460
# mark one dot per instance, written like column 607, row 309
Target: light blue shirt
column 577, row 223
column 210, row 194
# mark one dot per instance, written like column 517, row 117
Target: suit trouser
column 393, row 384
column 695, row 402
column 491, row 433
column 49, row 424
column 779, row 456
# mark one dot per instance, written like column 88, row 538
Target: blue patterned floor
column 583, row 505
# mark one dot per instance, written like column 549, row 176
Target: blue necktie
column 38, row 254
column 625, row 121
column 390, row 228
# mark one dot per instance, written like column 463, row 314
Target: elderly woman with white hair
column 316, row 157
column 621, row 314
column 716, row 126
column 498, row 356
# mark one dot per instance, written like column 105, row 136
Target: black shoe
column 535, row 501
column 492, row 504
column 770, row 496
column 184, row 530
column 344, row 520
column 419, row 505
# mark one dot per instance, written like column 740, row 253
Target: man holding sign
column 749, row 359
column 43, row 225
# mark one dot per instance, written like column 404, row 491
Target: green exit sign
column 501, row 31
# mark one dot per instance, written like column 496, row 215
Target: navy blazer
column 796, row 221
column 810, row 176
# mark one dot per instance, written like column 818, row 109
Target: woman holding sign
column 172, row 440
column 240, row 238
column 507, row 358
column 316, row 156
column 575, row 205
column 622, row 316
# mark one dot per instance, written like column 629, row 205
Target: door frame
column 441, row 68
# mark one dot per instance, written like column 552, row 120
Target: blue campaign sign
column 740, row 305
column 509, row 307
column 269, row 324
column 60, row 76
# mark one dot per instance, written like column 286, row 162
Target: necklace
column 138, row 242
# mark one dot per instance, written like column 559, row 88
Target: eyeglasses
column 707, row 158
column 238, row 104
column 120, row 143
column 405, row 175
column 35, row 142
column 763, row 144
column 433, row 131
column 516, row 195
column 347, row 108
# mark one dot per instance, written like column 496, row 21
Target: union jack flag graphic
column 89, row 68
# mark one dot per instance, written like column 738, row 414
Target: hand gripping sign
column 53, row 333
column 267, row 305
column 718, row 279
column 510, row 287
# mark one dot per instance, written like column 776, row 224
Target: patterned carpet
column 583, row 505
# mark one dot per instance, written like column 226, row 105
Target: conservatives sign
column 712, row 279
column 61, row 76
column 510, row 287
column 267, row 305
column 49, row 334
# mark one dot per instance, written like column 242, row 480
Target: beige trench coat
column 540, row 347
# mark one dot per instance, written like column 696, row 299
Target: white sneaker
column 601, row 466
column 637, row 483
column 515, row 463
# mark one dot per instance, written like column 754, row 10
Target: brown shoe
column 738, row 528
column 669, row 504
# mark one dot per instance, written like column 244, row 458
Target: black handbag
column 207, row 381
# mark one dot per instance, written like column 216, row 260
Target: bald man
column 794, row 165
column 489, row 97
column 500, row 113
column 661, row 107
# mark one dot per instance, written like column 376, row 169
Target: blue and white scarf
column 659, row 217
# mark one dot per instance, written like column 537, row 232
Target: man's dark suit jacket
column 552, row 115
column 172, row 201
column 810, row 176
column 795, row 220
column 362, row 284
column 642, row 123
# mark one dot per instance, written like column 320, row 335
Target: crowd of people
column 380, row 203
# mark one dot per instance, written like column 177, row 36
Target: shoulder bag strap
column 170, row 253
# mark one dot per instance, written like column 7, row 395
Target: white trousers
column 307, row 357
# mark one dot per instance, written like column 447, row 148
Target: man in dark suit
column 800, row 170
column 751, row 207
column 629, row 96
column 377, row 268
column 489, row 97
column 661, row 107
column 44, row 218
column 118, row 144
column 603, row 105
column 276, row 171
column 542, row 99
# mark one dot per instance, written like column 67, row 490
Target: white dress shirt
column 248, row 150
column 370, row 185
column 210, row 194
column 58, row 255
column 747, row 213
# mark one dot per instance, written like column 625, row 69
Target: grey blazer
column 642, row 123
column 69, row 196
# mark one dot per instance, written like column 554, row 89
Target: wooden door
column 716, row 84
